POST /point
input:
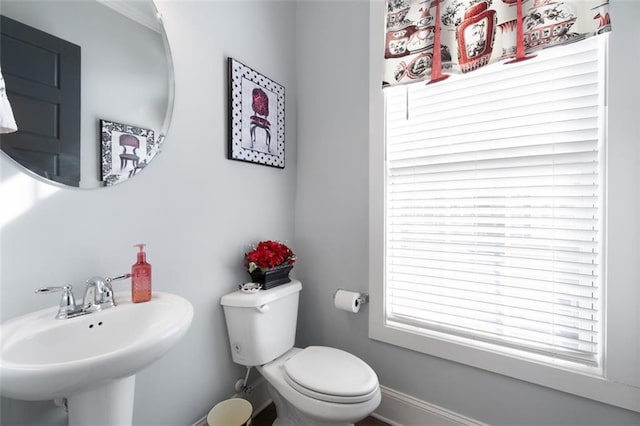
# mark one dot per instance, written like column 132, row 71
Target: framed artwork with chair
column 256, row 117
column 125, row 149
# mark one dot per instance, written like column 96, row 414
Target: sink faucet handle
column 105, row 283
column 119, row 277
column 53, row 289
column 108, row 282
column 67, row 302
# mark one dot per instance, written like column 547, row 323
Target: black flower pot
column 273, row 277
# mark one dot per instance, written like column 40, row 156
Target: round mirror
column 90, row 84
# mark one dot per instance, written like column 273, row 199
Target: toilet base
column 288, row 415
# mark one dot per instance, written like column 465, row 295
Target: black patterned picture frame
column 256, row 117
column 125, row 150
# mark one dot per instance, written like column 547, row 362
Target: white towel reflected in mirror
column 7, row 121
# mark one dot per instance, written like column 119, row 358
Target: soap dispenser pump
column 141, row 277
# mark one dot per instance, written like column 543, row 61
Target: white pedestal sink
column 91, row 360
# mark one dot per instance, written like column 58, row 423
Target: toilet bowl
column 321, row 386
column 314, row 386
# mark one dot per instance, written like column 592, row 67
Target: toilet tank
column 262, row 324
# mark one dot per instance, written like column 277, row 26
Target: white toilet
column 312, row 386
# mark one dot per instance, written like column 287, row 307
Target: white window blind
column 494, row 206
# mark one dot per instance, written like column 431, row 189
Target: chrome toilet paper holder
column 364, row 297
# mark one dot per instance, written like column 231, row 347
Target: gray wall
column 332, row 219
column 195, row 209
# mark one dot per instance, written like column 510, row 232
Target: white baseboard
column 399, row 409
column 396, row 408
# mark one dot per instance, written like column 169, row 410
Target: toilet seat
column 331, row 375
column 290, row 402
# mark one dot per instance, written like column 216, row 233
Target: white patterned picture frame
column 114, row 170
column 256, row 117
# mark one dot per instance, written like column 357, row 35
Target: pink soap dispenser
column 141, row 277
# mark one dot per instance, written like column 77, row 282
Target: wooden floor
column 268, row 415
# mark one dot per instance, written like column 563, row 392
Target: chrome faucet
column 98, row 295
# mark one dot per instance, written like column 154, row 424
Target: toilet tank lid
column 241, row 299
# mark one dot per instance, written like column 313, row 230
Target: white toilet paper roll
column 347, row 300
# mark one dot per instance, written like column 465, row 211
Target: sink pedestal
column 107, row 405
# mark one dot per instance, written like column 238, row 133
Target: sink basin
column 46, row 358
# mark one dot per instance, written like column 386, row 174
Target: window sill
column 580, row 384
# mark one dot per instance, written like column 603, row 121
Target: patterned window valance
column 474, row 33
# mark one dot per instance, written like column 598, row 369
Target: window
column 616, row 377
column 494, row 207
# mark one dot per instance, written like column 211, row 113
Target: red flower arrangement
column 269, row 254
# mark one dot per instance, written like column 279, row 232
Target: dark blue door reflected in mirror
column 42, row 75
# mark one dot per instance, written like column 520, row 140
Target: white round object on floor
column 231, row 412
